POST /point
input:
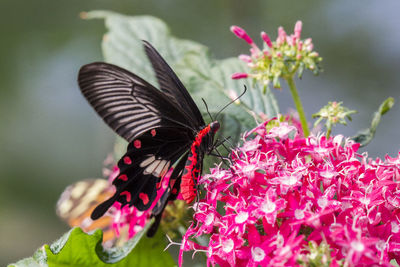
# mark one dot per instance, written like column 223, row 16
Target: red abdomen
column 193, row 165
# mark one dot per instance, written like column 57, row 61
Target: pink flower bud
column 281, row 32
column 300, row 46
column 289, row 40
column 297, row 29
column 294, row 39
column 266, row 39
column 245, row 58
column 239, row 75
column 255, row 52
column 239, row 32
column 281, row 36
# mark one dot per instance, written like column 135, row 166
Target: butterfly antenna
column 207, row 109
column 233, row 101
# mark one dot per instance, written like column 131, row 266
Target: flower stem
column 299, row 106
column 328, row 132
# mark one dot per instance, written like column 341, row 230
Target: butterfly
column 164, row 129
column 78, row 201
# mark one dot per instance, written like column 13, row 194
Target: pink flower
column 279, row 58
column 280, row 193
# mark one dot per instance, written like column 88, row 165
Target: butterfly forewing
column 127, row 103
column 171, row 85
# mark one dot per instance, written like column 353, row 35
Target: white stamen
column 257, row 253
column 241, row 217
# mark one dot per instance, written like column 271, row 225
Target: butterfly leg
column 226, row 160
column 218, row 155
column 221, row 142
column 197, row 187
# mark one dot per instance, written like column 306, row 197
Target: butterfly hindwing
column 172, row 190
column 170, row 194
column 147, row 160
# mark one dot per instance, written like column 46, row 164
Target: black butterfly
column 163, row 127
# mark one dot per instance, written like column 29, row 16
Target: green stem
column 328, row 132
column 299, row 106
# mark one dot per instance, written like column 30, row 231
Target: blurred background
column 50, row 137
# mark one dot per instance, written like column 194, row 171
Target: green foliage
column 366, row 135
column 202, row 75
column 77, row 248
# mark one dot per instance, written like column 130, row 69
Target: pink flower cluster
column 281, row 194
column 277, row 59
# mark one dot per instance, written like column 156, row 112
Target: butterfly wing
column 135, row 109
column 170, row 194
column 171, row 85
column 127, row 103
column 78, row 201
column 147, row 160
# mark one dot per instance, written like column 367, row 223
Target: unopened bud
column 281, row 36
column 266, row 39
column 242, row 34
column 297, row 29
column 239, row 75
column 245, row 58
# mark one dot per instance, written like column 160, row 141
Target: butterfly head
column 214, row 126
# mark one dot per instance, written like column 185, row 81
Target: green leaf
column 77, row 248
column 364, row 137
column 202, row 75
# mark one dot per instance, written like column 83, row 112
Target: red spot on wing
column 144, row 197
column 174, row 191
column 123, row 177
column 127, row 160
column 137, row 143
column 153, row 132
column 127, row 194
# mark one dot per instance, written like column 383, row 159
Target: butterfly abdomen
column 192, row 168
